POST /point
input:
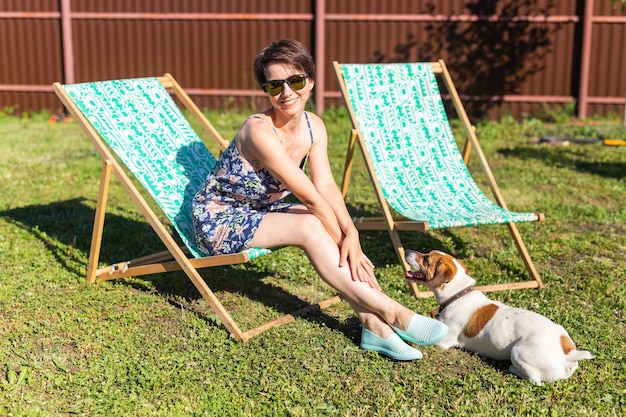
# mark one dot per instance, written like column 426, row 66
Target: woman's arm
column 258, row 141
column 360, row 265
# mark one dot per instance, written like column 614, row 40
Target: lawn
column 151, row 346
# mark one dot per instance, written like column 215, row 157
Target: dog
column 539, row 349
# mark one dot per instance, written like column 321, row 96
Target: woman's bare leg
column 301, row 229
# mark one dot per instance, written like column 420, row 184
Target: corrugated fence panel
column 607, row 75
column 491, row 61
column 30, row 55
column 207, row 54
column 504, row 56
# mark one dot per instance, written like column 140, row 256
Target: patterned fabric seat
column 408, row 137
column 145, row 128
column 400, row 120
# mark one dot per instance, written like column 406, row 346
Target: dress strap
column 256, row 116
column 308, row 123
column 306, row 157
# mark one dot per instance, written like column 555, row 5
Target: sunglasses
column 295, row 82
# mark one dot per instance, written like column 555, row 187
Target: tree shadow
column 573, row 159
column 487, row 58
column 69, row 223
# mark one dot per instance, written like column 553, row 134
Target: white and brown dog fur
column 539, row 349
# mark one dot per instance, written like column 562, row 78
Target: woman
column 241, row 204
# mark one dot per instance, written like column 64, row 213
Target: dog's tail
column 578, row 355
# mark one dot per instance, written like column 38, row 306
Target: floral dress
column 236, row 196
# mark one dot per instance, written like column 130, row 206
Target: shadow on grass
column 570, row 158
column 378, row 247
column 68, row 224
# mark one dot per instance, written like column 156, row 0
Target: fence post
column 67, row 41
column 320, row 53
column 585, row 60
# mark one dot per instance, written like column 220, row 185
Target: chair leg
column 290, row 317
column 521, row 247
column 347, row 170
column 98, row 223
column 397, row 243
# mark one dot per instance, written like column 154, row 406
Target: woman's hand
column 361, row 268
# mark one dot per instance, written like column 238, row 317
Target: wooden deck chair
column 401, row 126
column 139, row 121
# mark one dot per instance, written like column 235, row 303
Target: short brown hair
column 284, row 51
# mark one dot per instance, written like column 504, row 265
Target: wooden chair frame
column 394, row 224
column 175, row 257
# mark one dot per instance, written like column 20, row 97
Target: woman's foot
column 391, row 346
column 423, row 330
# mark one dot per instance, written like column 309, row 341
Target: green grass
column 150, row 346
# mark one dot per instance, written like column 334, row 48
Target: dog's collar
column 450, row 300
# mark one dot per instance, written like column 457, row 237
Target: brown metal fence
column 514, row 56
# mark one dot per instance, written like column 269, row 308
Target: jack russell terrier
column 539, row 349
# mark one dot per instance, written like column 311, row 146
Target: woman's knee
column 312, row 229
column 312, row 233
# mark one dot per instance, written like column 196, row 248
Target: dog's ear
column 443, row 272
